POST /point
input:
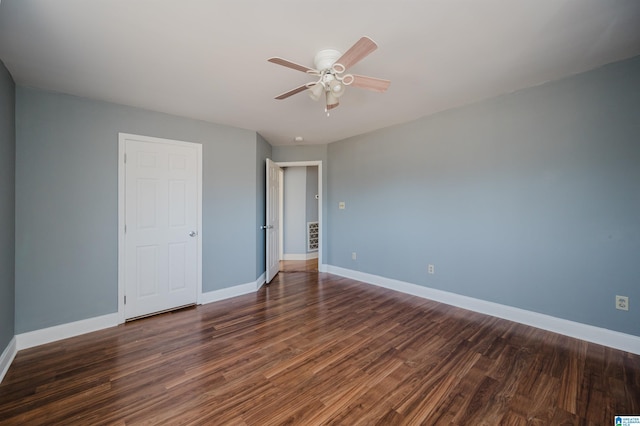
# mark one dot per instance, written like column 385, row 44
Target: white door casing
column 321, row 193
column 281, row 214
column 273, row 222
column 273, row 199
column 160, row 259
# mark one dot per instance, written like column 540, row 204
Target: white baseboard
column 229, row 292
column 64, row 331
column 590, row 333
column 261, row 280
column 7, row 357
column 303, row 256
column 323, row 268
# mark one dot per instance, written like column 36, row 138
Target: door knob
column 193, row 233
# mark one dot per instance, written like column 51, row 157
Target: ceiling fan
column 330, row 68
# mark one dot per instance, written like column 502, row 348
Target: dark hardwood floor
column 314, row 349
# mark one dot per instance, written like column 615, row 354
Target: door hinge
column 125, row 158
column 125, row 228
column 125, row 299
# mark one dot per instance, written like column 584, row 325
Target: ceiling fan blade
column 292, row 92
column 357, row 52
column 370, row 83
column 289, row 64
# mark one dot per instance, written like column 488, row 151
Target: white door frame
column 272, row 223
column 321, row 265
column 122, row 137
column 281, row 214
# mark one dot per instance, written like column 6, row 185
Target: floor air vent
column 312, row 236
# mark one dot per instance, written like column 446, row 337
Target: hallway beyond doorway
column 310, row 265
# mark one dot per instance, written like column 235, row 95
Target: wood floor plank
column 316, row 349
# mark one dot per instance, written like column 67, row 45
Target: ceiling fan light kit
column 337, row 87
column 315, row 91
column 330, row 67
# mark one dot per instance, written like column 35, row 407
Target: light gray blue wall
column 312, row 202
column 7, row 206
column 263, row 151
column 294, row 210
column 531, row 199
column 299, row 153
column 66, row 203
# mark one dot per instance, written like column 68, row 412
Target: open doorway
column 299, row 230
column 299, row 212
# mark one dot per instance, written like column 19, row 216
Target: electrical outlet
column 354, row 256
column 622, row 303
column 431, row 269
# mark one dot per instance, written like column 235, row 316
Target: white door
column 273, row 222
column 161, row 218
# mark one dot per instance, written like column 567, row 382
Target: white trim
column 72, row 329
column 320, row 196
column 229, row 292
column 304, row 256
column 280, row 213
column 323, row 267
column 262, row 279
column 64, row 331
column 122, row 137
column 121, row 220
column 7, row 357
column 298, row 163
column 590, row 333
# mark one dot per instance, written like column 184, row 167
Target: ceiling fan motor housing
column 325, row 58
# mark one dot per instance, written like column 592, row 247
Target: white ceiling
column 207, row 59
